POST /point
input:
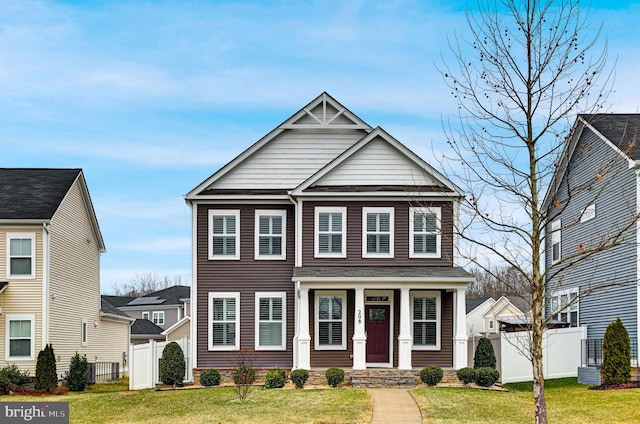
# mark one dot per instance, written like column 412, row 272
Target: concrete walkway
column 394, row 406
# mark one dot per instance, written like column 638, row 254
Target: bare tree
column 501, row 280
column 145, row 283
column 521, row 74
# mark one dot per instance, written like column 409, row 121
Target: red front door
column 377, row 326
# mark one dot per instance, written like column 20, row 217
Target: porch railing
column 592, row 352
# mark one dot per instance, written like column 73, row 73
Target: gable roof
column 145, row 327
column 170, row 296
column 108, row 309
column 472, row 303
column 117, row 301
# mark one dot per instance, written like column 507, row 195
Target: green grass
column 567, row 402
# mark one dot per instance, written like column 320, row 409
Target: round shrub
column 487, row 376
column 431, row 375
column 172, row 364
column 299, row 377
column 335, row 376
column 275, row 378
column 616, row 350
column 210, row 377
column 77, row 375
column 244, row 375
column 467, row 375
column 484, row 356
column 12, row 379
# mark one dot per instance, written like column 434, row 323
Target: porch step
column 364, row 381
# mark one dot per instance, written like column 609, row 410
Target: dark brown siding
column 246, row 276
column 443, row 357
column 354, row 236
column 332, row 358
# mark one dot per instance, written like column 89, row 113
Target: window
column 555, row 241
column 158, row 317
column 20, row 339
column 377, row 232
column 491, row 324
column 331, row 232
column 85, row 331
column 270, row 321
column 270, row 231
column 588, row 213
column 426, row 320
column 145, row 315
column 224, row 321
column 21, row 255
column 224, row 234
column 424, row 232
column 564, row 306
column 330, row 325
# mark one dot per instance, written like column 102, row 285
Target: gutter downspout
column 46, row 287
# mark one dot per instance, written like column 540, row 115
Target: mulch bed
column 629, row 385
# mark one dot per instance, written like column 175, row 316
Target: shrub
column 77, row 375
column 335, row 376
column 467, row 375
column 243, row 377
column 487, row 376
column 616, row 349
column 46, row 374
column 12, row 379
column 299, row 377
column 431, row 375
column 210, row 377
column 172, row 365
column 275, row 378
column 484, row 356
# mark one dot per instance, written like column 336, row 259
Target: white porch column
column 359, row 335
column 304, row 338
column 460, row 330
column 404, row 338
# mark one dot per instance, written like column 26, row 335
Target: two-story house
column 327, row 243
column 50, row 246
column 484, row 314
column 593, row 201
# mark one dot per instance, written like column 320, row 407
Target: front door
column 377, row 327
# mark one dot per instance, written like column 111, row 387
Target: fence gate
column 144, row 363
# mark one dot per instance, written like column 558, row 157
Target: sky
column 150, row 98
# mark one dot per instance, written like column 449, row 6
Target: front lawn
column 567, row 402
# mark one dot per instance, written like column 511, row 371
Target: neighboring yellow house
column 484, row 314
column 50, row 246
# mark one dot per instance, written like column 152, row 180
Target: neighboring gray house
column 163, row 308
column 594, row 195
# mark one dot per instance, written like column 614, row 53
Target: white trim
column 23, row 236
column 20, row 317
column 224, row 295
column 390, row 302
column 283, row 342
column 377, row 210
column 559, row 309
column 322, row 293
column 160, row 315
column 283, row 236
column 147, row 315
column 176, row 326
column 84, row 332
column 437, row 295
column 224, row 212
column 556, row 237
column 437, row 211
column 316, row 231
column 194, row 284
column 588, row 213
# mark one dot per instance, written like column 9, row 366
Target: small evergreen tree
column 616, row 348
column 172, row 364
column 484, row 356
column 46, row 374
column 77, row 375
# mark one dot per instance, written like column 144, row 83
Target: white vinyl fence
column 144, row 363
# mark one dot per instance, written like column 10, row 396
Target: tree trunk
column 536, row 359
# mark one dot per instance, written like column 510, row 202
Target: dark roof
column 621, row 129
column 168, row 296
column 373, row 188
column 118, row 300
column 472, row 303
column 381, row 272
column 144, row 326
column 109, row 308
column 33, row 193
column 3, row 285
column 524, row 324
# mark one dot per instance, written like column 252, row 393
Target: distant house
column 50, row 247
column 484, row 314
column 327, row 243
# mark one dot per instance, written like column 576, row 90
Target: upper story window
column 377, row 232
column 331, row 232
column 588, row 213
column 145, row 315
column 425, row 232
column 556, row 252
column 224, row 321
column 270, row 232
column 158, row 317
column 425, row 319
column 84, row 332
column 21, row 261
column 224, row 234
column 564, row 306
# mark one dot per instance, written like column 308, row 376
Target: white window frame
column 29, row 236
column 559, row 309
column 283, row 321
column 145, row 315
column 438, row 319
column 276, row 212
column 437, row 211
column 160, row 317
column 224, row 212
column 330, row 209
column 318, row 295
column 365, row 212
column 588, row 213
column 224, row 295
column 84, row 332
column 20, row 317
column 556, row 238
